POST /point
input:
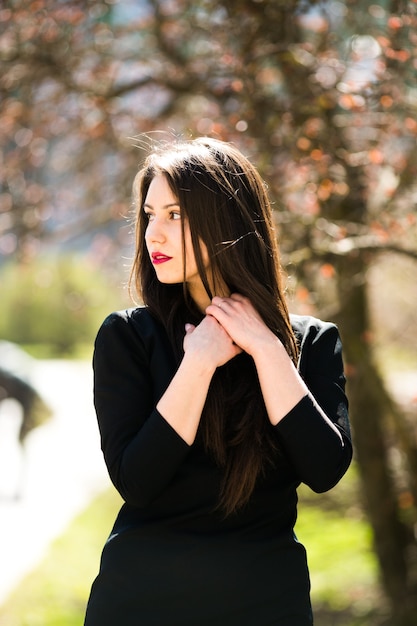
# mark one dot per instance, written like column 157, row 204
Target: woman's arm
column 134, row 370
column 308, row 408
column 320, row 457
column 206, row 347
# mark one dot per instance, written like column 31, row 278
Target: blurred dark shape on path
column 16, row 384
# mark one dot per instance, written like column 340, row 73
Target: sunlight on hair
column 233, row 242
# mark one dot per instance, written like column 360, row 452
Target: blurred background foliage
column 321, row 96
column 54, row 306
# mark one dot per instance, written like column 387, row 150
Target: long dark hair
column 224, row 199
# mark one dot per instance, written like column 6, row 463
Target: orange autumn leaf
column 386, row 101
column 303, row 143
column 394, row 22
column 316, row 154
column 327, row 270
column 375, row 156
column 410, row 123
column 303, row 294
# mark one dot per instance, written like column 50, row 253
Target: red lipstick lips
column 158, row 258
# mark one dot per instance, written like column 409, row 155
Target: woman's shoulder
column 308, row 323
column 137, row 320
column 309, row 329
column 139, row 314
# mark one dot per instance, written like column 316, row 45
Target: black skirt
column 159, row 579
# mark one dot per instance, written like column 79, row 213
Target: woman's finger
column 238, row 297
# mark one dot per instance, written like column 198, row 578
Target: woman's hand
column 281, row 385
column 210, row 343
column 241, row 322
column 206, row 347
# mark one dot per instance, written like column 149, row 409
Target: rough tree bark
column 373, row 416
column 369, row 404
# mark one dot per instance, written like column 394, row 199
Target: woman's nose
column 155, row 231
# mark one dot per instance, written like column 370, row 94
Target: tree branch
column 344, row 247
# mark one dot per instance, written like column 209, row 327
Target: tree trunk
column 369, row 405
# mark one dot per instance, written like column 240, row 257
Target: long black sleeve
column 133, row 365
column 315, row 435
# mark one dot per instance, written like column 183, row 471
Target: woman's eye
column 172, row 215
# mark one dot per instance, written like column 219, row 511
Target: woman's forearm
column 183, row 401
column 206, row 347
column 282, row 386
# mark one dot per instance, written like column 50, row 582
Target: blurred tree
column 322, row 97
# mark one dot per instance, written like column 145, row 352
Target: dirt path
column 64, row 469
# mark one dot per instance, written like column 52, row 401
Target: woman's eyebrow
column 166, row 206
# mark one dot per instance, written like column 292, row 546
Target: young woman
column 213, row 406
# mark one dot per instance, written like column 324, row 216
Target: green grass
column 338, row 542
column 55, row 594
column 342, row 565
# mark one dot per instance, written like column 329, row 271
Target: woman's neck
column 201, row 298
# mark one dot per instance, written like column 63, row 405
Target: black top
column 172, row 557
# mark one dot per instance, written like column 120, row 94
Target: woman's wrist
column 268, row 346
column 198, row 363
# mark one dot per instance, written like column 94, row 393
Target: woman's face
column 163, row 237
